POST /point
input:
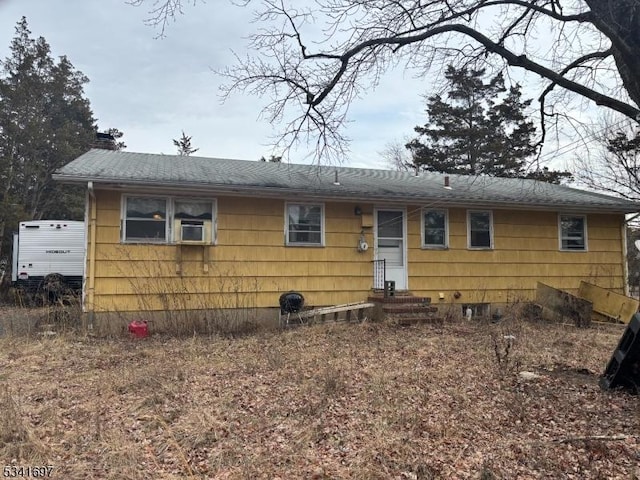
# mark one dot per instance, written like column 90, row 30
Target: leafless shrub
column 333, row 381
column 20, row 321
column 65, row 314
column 506, row 342
column 228, row 307
column 16, row 438
column 450, row 313
column 275, row 358
column 12, row 428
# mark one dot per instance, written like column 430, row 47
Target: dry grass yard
column 360, row 401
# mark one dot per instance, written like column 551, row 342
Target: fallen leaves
column 333, row 401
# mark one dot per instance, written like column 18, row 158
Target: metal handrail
column 379, row 274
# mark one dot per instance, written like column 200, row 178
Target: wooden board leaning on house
column 562, row 307
column 611, row 306
column 351, row 311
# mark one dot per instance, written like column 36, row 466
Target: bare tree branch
column 579, row 62
column 593, row 49
column 614, row 167
column 162, row 12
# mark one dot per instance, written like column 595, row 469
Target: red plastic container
column 139, row 328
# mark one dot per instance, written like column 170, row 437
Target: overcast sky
column 152, row 89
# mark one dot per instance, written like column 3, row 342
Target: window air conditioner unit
column 192, row 232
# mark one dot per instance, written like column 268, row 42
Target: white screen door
column 391, row 244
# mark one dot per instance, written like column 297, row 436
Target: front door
column 391, row 244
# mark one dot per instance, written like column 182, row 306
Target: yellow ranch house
column 182, row 233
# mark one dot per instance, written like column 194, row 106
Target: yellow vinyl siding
column 251, row 266
column 526, row 250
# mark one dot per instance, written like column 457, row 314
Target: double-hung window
column 304, row 224
column 145, row 219
column 573, row 232
column 480, row 229
column 434, row 229
column 156, row 219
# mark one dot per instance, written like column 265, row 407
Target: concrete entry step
column 407, row 309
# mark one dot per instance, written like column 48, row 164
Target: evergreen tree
column 480, row 129
column 109, row 140
column 117, row 135
column 184, row 145
column 45, row 122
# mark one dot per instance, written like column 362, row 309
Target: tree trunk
column 619, row 20
column 3, row 225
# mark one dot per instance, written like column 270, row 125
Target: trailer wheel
column 53, row 286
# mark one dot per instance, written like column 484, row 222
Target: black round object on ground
column 291, row 302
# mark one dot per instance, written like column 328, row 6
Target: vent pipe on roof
column 417, row 172
column 446, row 182
column 336, row 181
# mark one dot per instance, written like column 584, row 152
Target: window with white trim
column 480, row 229
column 304, row 224
column 435, row 228
column 145, row 219
column 154, row 219
column 573, row 232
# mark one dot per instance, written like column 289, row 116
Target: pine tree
column 480, row 129
column 184, row 145
column 109, row 140
column 45, row 122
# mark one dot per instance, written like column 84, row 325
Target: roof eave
column 306, row 194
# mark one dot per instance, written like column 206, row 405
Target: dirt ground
column 361, row 401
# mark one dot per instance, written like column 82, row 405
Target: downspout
column 92, row 255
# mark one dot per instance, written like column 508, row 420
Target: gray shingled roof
column 219, row 175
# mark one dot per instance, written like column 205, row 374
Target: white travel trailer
column 49, row 254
